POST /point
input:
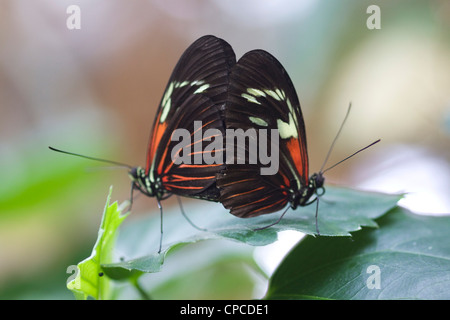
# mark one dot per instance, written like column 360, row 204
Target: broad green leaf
column 341, row 211
column 89, row 281
column 407, row 257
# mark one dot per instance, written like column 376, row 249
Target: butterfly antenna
column 92, row 158
column 353, row 154
column 335, row 138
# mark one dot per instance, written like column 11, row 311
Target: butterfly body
column 303, row 196
column 142, row 182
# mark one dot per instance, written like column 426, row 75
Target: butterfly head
column 316, row 183
column 314, row 187
column 141, row 181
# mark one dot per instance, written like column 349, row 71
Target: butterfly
column 196, row 92
column 261, row 96
column 208, row 87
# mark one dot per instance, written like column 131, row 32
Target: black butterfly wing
column 262, row 96
column 196, row 91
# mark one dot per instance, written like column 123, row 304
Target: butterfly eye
column 133, row 173
column 320, row 191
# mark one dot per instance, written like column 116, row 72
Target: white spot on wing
column 165, row 110
column 197, row 82
column 201, row 89
column 166, row 102
column 273, row 94
column 258, row 121
column 256, row 92
column 287, row 130
column 167, row 94
column 181, row 84
column 280, row 93
column 250, row 98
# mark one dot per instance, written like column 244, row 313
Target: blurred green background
column 95, row 91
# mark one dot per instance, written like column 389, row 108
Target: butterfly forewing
column 262, row 96
column 196, row 91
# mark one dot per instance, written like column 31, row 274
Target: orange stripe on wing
column 199, row 165
column 244, row 193
column 299, row 156
column 272, row 204
column 167, row 169
column 255, row 212
column 169, row 186
column 157, row 134
column 236, row 182
column 204, row 125
column 209, row 151
column 184, row 178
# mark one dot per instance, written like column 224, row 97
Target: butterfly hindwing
column 196, row 91
column 262, row 96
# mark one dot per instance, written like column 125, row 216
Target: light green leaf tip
column 90, row 280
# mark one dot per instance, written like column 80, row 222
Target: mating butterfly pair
column 208, row 85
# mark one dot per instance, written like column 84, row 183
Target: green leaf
column 89, row 280
column 407, row 257
column 341, row 211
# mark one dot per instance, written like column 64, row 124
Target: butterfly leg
column 317, row 215
column 272, row 224
column 316, row 199
column 131, row 196
column 161, row 226
column 320, row 192
column 187, row 218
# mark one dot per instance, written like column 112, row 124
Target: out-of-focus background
column 94, row 90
